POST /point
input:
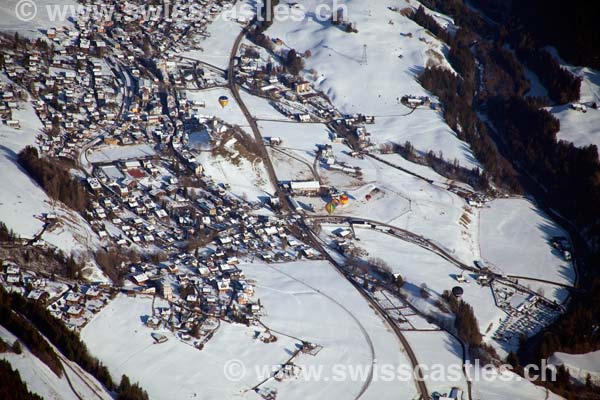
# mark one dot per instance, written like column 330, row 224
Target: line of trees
column 7, row 235
column 451, row 170
column 570, row 175
column 572, row 28
column 128, row 391
column 465, row 322
column 12, row 386
column 55, row 180
column 459, row 115
column 27, row 333
column 57, row 333
column 563, row 87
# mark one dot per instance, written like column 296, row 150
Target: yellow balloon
column 330, row 207
column 223, row 101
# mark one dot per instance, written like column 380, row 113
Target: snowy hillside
column 397, row 50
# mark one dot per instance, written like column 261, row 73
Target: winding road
column 234, row 88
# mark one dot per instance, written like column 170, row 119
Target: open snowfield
column 246, row 179
column 21, row 199
column 437, row 349
column 223, row 32
column 516, row 224
column 393, row 61
column 579, row 365
column 43, row 381
column 418, row 266
column 31, row 19
column 106, row 154
column 307, row 300
column 232, row 114
column 582, row 129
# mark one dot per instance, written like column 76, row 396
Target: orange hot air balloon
column 344, row 199
column 330, row 207
column 223, row 101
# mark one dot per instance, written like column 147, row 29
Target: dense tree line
column 55, row 180
column 465, row 322
column 428, row 22
column 112, row 261
column 12, row 386
column 503, row 74
column 27, row 333
column 563, row 87
column 460, row 116
column 293, row 62
column 451, row 170
column 57, row 333
column 570, row 27
column 569, row 175
column 7, row 235
column 461, row 13
column 128, row 391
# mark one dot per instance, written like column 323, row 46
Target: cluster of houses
column 89, row 83
column 352, row 128
column 73, row 304
column 9, row 100
column 79, row 304
column 293, row 96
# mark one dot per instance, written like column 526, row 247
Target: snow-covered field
column 114, row 153
column 31, row 18
column 397, row 50
column 438, row 348
column 582, row 129
column 43, row 381
column 21, row 199
column 580, row 365
column 307, row 300
column 418, row 266
column 516, row 224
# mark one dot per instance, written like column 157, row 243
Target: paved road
column 440, row 251
column 419, row 381
column 233, row 86
column 273, row 177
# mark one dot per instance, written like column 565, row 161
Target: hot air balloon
column 368, row 197
column 330, row 207
column 457, row 291
column 344, row 199
column 223, row 101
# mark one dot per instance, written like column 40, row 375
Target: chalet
column 14, row 124
column 223, row 286
column 92, row 293
column 75, row 311
column 38, row 295
column 140, row 279
column 74, row 299
column 166, row 290
column 153, row 322
column 275, row 141
column 302, row 87
column 306, row 187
